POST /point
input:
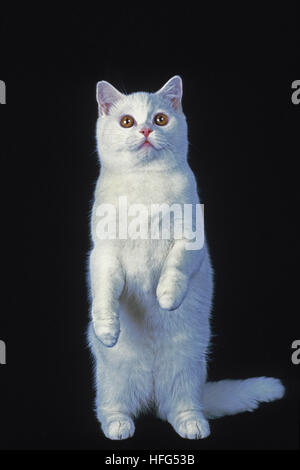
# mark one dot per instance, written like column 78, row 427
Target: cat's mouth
column 146, row 143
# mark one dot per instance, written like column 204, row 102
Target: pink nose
column 146, row 131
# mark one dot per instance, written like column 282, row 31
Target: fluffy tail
column 229, row 397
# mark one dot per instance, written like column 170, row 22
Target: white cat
column 151, row 298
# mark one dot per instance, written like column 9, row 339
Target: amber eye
column 127, row 121
column 161, row 119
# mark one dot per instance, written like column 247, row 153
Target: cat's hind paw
column 119, row 429
column 193, row 428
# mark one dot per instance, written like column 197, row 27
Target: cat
column 151, row 299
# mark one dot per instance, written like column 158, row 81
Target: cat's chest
column 142, row 209
column 148, row 188
column 142, row 262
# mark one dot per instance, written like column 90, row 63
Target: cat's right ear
column 172, row 92
column 106, row 96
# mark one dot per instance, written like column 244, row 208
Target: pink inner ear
column 175, row 103
column 106, row 107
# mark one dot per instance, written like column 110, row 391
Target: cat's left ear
column 107, row 95
column 172, row 92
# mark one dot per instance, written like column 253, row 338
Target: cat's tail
column 229, row 397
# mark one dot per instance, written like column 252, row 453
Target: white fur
column 151, row 299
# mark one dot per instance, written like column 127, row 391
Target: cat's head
column 141, row 129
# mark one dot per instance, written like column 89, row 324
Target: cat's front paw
column 107, row 330
column 171, row 289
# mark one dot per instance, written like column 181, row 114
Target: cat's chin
column 149, row 151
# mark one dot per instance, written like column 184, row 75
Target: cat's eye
column 161, row 119
column 127, row 121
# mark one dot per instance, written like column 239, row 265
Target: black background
column 237, row 69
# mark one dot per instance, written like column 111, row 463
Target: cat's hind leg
column 179, row 381
column 181, row 405
column 122, row 390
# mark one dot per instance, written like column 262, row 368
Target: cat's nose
column 146, row 131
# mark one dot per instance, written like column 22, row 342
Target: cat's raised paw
column 171, row 290
column 193, row 428
column 119, row 429
column 107, row 332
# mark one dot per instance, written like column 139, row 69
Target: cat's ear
column 172, row 92
column 107, row 96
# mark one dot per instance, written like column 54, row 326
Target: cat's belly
column 142, row 261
